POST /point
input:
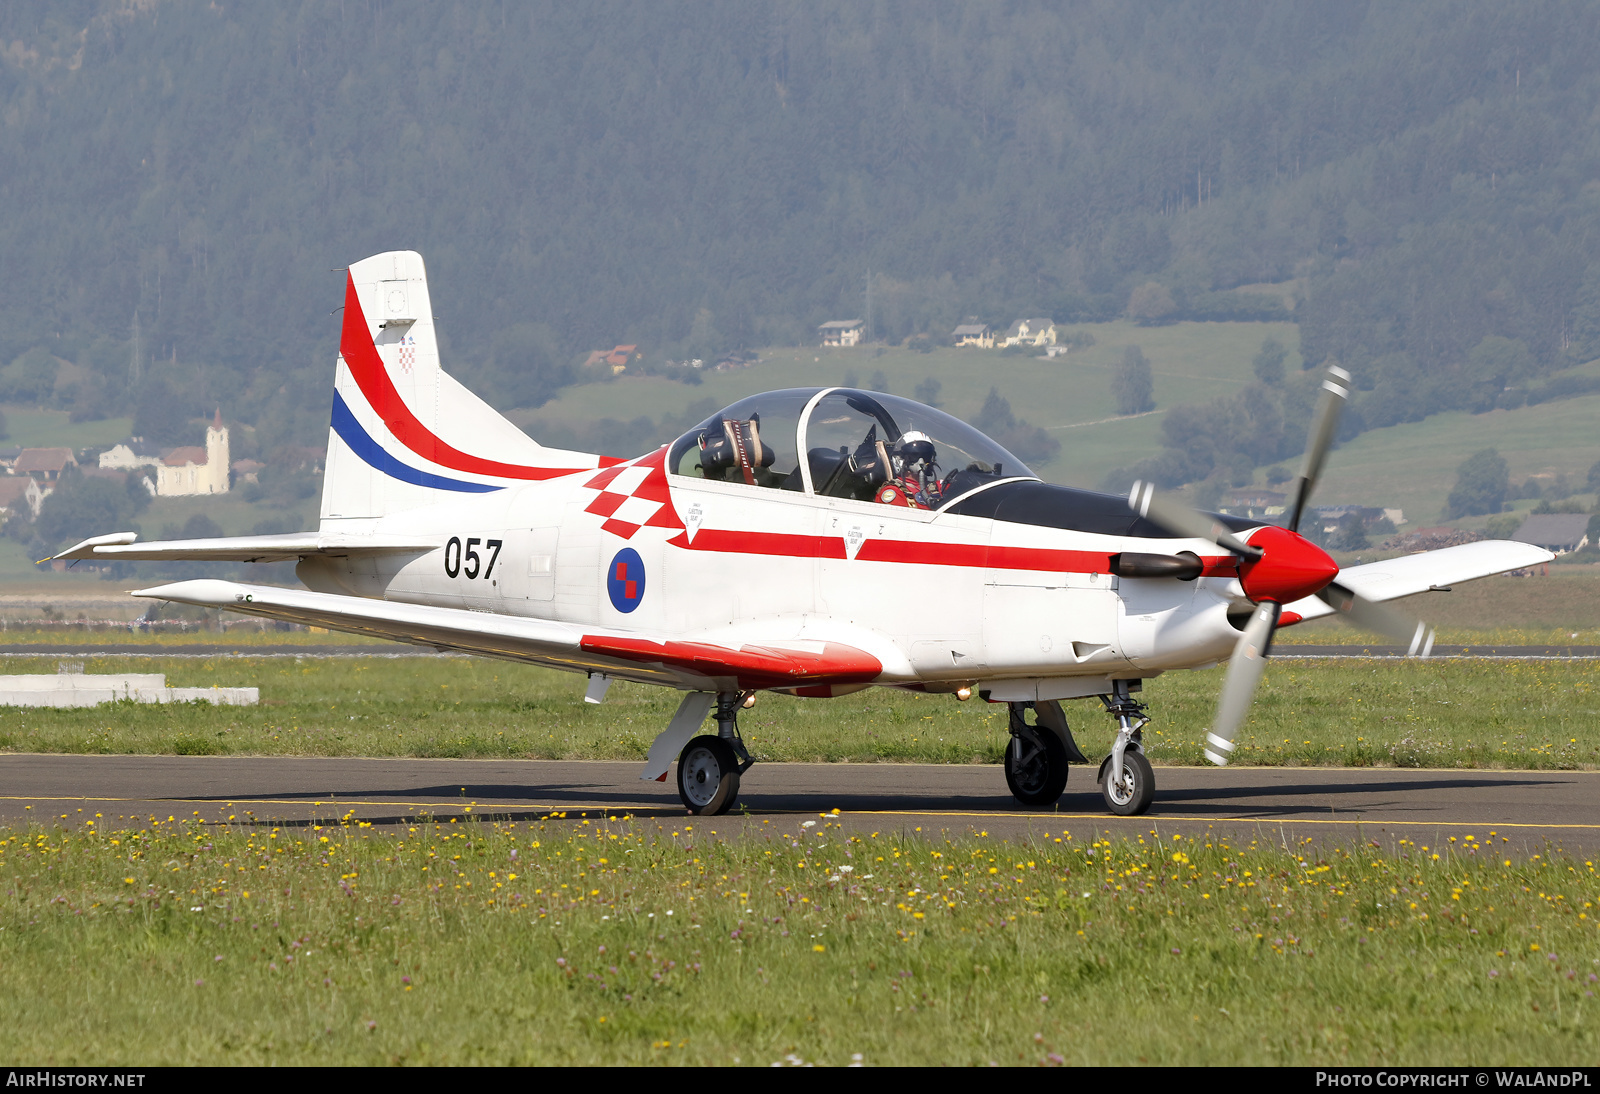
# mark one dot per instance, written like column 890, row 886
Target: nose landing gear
column 1126, row 781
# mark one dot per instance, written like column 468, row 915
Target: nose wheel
column 1130, row 795
column 1127, row 783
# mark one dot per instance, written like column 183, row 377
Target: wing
column 781, row 661
column 123, row 546
column 1409, row 575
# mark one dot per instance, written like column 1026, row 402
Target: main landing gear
column 709, row 767
column 1037, row 757
column 1040, row 750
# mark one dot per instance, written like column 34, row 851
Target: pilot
column 915, row 481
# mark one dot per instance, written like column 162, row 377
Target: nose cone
column 1292, row 567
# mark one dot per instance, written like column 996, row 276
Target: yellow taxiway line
column 934, row 815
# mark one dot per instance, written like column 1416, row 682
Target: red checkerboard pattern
column 633, row 496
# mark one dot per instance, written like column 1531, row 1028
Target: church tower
column 217, row 462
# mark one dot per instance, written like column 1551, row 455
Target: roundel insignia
column 625, row 580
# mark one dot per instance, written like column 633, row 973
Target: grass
column 580, row 943
column 32, row 427
column 1468, row 714
column 1555, row 610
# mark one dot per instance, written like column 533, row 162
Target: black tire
column 1041, row 775
column 708, row 776
column 1138, row 785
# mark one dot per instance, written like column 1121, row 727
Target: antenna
column 869, row 305
column 135, row 360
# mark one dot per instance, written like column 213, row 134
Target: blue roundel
column 625, row 580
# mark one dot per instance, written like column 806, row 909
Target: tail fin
column 405, row 434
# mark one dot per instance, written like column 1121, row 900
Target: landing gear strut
column 709, row 767
column 1038, row 753
column 1126, row 781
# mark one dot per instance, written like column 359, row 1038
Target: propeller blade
column 1369, row 616
column 1183, row 521
column 1335, row 391
column 1245, row 667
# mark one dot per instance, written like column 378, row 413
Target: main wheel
column 708, row 776
column 1039, row 775
column 1133, row 794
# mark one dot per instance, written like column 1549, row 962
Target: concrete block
column 78, row 689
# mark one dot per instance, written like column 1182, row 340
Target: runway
column 1529, row 810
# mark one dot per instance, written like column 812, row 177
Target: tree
column 1351, row 535
column 1268, row 363
column 1494, row 363
column 1028, row 442
column 1481, row 484
column 159, row 416
column 928, row 391
column 1594, row 478
column 1133, row 384
column 1151, row 303
column 81, row 507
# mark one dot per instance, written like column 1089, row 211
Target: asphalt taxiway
column 1530, row 810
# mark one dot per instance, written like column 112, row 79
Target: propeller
column 1278, row 566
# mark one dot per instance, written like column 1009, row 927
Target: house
column 247, row 470
column 973, row 334
column 21, row 491
column 1330, row 516
column 130, row 455
column 44, row 464
column 1031, row 332
column 191, row 470
column 842, row 332
column 1255, row 504
column 1558, row 533
column 617, row 359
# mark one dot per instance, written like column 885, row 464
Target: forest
column 180, row 183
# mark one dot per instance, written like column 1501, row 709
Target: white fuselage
column 941, row 599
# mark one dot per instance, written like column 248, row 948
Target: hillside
column 698, row 177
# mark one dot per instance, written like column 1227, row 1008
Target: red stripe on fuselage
column 903, row 552
column 361, row 357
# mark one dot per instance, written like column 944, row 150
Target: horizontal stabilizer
column 1409, row 575
column 123, row 546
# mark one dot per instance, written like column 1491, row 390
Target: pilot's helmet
column 915, row 446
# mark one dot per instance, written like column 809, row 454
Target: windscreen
column 883, row 448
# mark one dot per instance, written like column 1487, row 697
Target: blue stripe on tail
column 362, row 444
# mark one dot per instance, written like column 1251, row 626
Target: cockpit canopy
column 858, row 444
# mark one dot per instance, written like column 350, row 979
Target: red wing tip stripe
column 837, row 663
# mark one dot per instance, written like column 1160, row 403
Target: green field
column 1472, row 714
column 1070, row 396
column 570, row 942
column 1413, row 466
column 32, row 427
